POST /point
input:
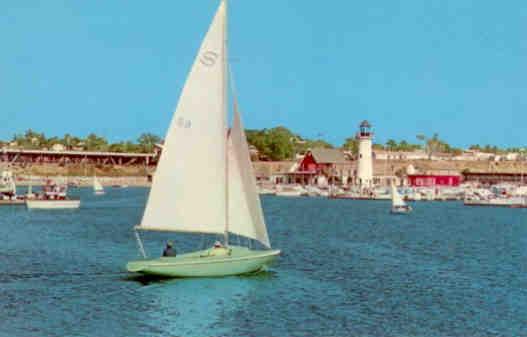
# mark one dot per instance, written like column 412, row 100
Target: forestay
column 188, row 189
column 245, row 211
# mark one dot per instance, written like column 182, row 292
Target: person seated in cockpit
column 169, row 249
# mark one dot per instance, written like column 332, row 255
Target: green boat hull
column 206, row 263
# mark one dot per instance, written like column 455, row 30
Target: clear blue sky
column 455, row 67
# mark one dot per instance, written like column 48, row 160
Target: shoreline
column 84, row 181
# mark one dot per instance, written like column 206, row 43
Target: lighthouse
column 365, row 163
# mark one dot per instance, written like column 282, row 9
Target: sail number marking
column 209, row 58
column 183, row 123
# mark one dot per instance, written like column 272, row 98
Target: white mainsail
column 245, row 211
column 188, row 192
column 97, row 187
column 397, row 200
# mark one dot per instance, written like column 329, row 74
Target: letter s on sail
column 209, row 58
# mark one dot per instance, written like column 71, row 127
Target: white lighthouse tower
column 365, row 165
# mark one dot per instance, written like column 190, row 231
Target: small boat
column 68, row 203
column 8, row 196
column 262, row 190
column 7, row 185
column 382, row 194
column 290, row 191
column 97, row 187
column 181, row 200
column 398, row 204
column 119, row 186
column 53, row 196
column 494, row 201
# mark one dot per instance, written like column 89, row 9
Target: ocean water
column 348, row 268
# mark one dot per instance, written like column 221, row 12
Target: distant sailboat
column 398, row 204
column 30, row 194
column 97, row 187
column 204, row 181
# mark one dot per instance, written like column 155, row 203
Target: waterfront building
column 433, row 180
column 399, row 155
column 493, row 178
column 321, row 166
column 365, row 161
column 25, row 157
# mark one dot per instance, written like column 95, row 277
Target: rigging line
column 225, row 118
column 202, row 242
column 140, row 244
column 232, row 85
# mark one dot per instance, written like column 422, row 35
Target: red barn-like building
column 330, row 163
column 427, row 180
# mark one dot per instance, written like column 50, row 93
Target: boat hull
column 53, row 204
column 240, row 261
column 402, row 209
column 288, row 193
column 16, row 202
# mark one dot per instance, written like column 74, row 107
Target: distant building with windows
column 331, row 164
column 433, row 180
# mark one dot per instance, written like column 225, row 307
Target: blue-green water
column 348, row 268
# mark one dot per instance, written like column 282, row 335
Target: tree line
column 38, row 140
column 277, row 143
column 280, row 143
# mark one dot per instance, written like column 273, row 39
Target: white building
column 400, row 155
column 58, row 147
column 365, row 162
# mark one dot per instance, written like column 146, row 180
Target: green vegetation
column 277, row 143
column 496, row 150
column 280, row 143
column 35, row 140
column 435, row 145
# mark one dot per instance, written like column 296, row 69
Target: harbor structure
column 27, row 157
column 365, row 161
column 322, row 166
column 433, row 180
column 492, row 178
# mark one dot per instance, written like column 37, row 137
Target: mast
column 225, row 118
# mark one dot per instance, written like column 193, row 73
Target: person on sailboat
column 169, row 249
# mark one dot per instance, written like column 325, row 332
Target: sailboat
column 204, row 182
column 97, row 187
column 398, row 204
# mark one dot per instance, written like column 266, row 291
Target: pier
column 23, row 157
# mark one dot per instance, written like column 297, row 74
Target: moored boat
column 53, row 196
column 53, row 204
column 290, row 191
column 8, row 195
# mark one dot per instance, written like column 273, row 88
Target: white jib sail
column 188, row 189
column 397, row 200
column 245, row 211
column 97, row 185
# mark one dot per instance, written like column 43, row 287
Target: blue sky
column 455, row 67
